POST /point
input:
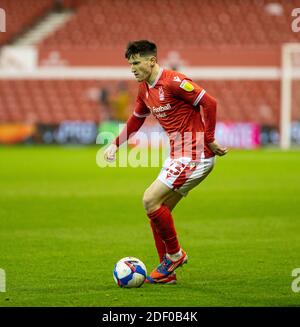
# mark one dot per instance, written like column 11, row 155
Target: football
column 129, row 272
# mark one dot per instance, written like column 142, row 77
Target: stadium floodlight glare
column 290, row 72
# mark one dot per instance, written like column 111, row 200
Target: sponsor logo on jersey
column 176, row 79
column 187, row 86
column 161, row 108
column 159, row 112
column 161, row 94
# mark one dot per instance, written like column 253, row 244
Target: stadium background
column 65, row 221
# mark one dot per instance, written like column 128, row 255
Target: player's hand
column 110, row 153
column 217, row 149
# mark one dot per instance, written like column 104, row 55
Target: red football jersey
column 175, row 101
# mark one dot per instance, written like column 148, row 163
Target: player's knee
column 147, row 200
column 150, row 201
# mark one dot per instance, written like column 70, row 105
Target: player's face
column 141, row 66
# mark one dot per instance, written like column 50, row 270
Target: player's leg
column 160, row 215
column 161, row 220
column 163, row 224
column 171, row 201
column 182, row 175
column 155, row 195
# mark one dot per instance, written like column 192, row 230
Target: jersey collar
column 157, row 78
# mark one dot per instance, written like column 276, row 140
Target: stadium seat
column 52, row 101
column 207, row 23
column 20, row 15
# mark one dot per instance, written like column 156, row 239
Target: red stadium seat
column 207, row 23
column 104, row 24
column 20, row 15
column 58, row 100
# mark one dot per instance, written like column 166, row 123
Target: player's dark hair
column 141, row 47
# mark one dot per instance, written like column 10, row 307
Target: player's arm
column 195, row 95
column 133, row 124
column 209, row 105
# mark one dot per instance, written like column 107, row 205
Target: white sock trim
column 175, row 256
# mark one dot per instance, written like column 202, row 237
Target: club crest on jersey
column 161, row 94
column 187, row 86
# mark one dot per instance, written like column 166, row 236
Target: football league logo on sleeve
column 187, row 86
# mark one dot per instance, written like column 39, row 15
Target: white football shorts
column 183, row 174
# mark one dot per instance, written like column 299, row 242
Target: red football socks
column 159, row 243
column 165, row 230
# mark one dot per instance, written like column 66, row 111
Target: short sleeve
column 141, row 110
column 187, row 90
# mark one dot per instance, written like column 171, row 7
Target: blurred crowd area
column 219, row 33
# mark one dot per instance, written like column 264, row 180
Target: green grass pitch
column 64, row 222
